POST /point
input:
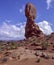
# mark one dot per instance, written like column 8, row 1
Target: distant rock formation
column 31, row 28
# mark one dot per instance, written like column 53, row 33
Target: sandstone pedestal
column 31, row 28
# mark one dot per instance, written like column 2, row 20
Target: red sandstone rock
column 31, row 28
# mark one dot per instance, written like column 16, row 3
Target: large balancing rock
column 31, row 29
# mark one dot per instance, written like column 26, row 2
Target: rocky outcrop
column 31, row 28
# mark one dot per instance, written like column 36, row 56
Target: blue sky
column 12, row 18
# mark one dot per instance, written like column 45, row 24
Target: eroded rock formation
column 31, row 28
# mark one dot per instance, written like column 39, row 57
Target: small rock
column 44, row 55
column 52, row 57
column 3, row 60
column 5, row 64
column 18, row 56
column 7, row 53
column 37, row 53
column 10, row 58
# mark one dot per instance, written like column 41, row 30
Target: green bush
column 38, row 60
column 13, row 45
column 1, row 48
column 44, row 45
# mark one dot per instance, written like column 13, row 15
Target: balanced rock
column 31, row 28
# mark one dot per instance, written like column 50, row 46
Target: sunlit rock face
column 31, row 29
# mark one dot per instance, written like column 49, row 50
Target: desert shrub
column 44, row 45
column 13, row 45
column 8, row 48
column 38, row 60
column 18, row 56
column 1, row 48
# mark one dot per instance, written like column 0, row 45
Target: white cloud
column 8, row 31
column 21, row 10
column 12, row 31
column 48, row 3
column 8, row 21
column 45, row 27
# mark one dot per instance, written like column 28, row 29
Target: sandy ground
column 31, row 61
column 27, row 57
